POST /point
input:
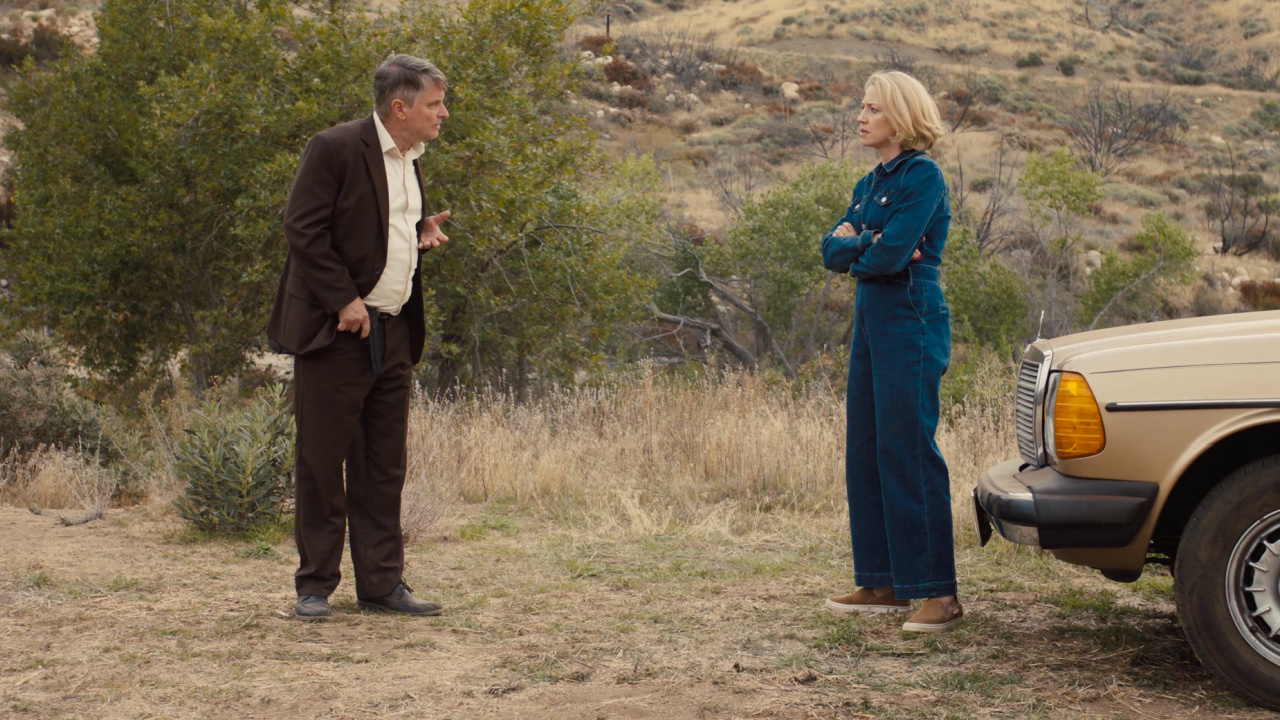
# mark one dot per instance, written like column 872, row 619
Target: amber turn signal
column 1076, row 421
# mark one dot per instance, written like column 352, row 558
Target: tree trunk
column 522, row 376
column 449, row 369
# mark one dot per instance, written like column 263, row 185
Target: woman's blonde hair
column 910, row 109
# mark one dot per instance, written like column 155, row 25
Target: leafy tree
column 1058, row 194
column 771, row 249
column 765, row 279
column 151, row 176
column 1128, row 290
column 535, row 275
column 988, row 300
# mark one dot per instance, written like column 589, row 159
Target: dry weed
column 57, row 479
column 649, row 454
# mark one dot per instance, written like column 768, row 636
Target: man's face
column 422, row 119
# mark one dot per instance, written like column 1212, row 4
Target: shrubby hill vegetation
column 1093, row 191
column 629, row 181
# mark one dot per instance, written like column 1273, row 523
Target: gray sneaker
column 312, row 607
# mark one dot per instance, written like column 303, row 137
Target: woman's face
column 874, row 128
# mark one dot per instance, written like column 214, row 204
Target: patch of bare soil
column 124, row 618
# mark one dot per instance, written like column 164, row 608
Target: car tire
column 1227, row 581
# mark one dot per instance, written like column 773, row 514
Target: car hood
column 1242, row 338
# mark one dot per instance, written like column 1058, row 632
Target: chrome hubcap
column 1253, row 586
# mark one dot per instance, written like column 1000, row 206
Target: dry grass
column 651, row 456
column 649, row 549
column 56, row 479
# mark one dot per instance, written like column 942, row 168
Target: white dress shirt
column 404, row 197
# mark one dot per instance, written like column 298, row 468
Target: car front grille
column 1025, row 412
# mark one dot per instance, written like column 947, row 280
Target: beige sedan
column 1159, row 443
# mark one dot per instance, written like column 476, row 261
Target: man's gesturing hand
column 431, row 237
column 354, row 317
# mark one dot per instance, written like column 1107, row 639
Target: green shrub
column 1033, row 59
column 1183, row 76
column 982, row 183
column 37, row 405
column 659, row 106
column 1253, row 27
column 1134, row 195
column 1124, row 291
column 237, row 463
column 988, row 300
column 989, row 89
column 1268, row 115
column 39, row 408
column 1067, row 66
column 780, row 134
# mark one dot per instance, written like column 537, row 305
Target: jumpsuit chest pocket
column 873, row 209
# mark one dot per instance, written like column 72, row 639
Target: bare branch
column 744, row 355
column 836, row 137
column 1110, row 126
column 736, row 178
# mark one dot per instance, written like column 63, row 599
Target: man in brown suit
column 351, row 288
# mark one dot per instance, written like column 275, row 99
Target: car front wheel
column 1227, row 581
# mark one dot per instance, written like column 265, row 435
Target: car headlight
column 1072, row 420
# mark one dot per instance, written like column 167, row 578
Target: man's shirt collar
column 389, row 145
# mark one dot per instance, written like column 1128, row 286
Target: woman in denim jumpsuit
column 891, row 240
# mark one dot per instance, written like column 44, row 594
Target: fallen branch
column 712, row 330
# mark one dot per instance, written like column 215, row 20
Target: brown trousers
column 346, row 414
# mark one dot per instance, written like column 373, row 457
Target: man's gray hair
column 403, row 77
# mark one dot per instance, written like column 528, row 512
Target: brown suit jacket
column 336, row 225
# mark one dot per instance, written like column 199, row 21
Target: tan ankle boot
column 935, row 616
column 868, row 600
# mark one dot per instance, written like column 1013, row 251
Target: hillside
column 1023, row 64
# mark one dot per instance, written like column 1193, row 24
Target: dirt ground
column 127, row 617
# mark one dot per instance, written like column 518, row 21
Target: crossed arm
column 861, row 252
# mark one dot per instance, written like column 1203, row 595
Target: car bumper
column 1044, row 508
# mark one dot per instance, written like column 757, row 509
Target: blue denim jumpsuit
column 898, row 488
